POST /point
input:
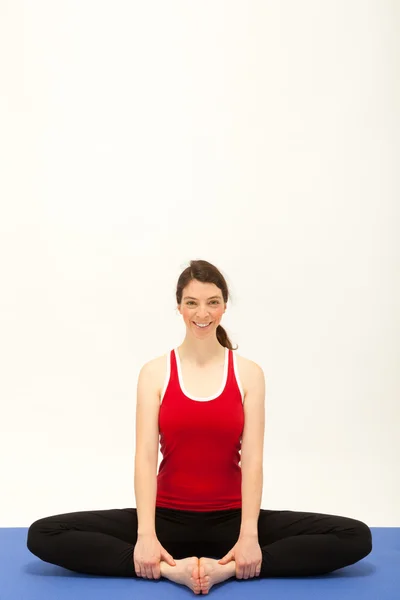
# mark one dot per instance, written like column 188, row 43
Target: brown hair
column 203, row 271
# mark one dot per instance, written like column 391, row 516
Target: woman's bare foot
column 211, row 572
column 185, row 572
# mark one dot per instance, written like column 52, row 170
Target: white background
column 259, row 135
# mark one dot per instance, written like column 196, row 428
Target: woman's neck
column 203, row 354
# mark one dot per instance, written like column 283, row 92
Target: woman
column 206, row 407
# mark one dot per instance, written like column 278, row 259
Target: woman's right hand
column 147, row 555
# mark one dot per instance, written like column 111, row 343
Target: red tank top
column 200, row 440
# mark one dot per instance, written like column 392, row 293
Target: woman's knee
column 363, row 537
column 34, row 541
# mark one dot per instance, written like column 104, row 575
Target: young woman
column 205, row 406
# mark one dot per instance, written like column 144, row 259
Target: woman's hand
column 247, row 555
column 147, row 555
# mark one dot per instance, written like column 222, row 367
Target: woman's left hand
column 247, row 555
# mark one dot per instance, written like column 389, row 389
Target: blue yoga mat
column 25, row 577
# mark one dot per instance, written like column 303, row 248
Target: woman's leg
column 98, row 542
column 102, row 542
column 292, row 543
column 303, row 543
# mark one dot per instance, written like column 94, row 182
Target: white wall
column 261, row 136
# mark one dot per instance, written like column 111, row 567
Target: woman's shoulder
column 248, row 369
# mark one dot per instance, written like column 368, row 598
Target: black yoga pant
column 102, row 542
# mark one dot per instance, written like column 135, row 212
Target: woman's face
column 202, row 303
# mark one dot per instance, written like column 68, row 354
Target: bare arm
column 146, row 456
column 252, row 452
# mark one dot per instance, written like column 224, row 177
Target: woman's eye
column 213, row 302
